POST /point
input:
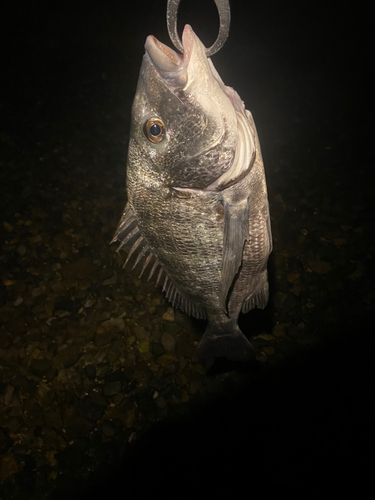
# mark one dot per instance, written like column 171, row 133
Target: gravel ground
column 97, row 387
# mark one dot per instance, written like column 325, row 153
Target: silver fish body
column 197, row 215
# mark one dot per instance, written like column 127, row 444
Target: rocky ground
column 97, row 386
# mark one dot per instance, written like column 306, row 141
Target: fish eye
column 154, row 129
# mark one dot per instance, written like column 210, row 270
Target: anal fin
column 258, row 299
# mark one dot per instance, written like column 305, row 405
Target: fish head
column 184, row 125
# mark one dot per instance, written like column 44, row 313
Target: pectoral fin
column 236, row 231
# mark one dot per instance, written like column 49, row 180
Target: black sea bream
column 197, row 216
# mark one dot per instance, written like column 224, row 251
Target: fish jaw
column 167, row 61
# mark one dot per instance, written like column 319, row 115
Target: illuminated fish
column 197, row 215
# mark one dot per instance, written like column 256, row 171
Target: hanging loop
column 224, row 16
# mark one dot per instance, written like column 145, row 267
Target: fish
column 197, row 213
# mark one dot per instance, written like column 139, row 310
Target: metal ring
column 224, row 16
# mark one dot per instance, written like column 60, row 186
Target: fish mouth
column 167, row 61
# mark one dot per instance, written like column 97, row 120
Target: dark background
column 303, row 69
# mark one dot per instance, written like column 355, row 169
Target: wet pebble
column 102, row 339
column 5, row 340
column 169, row 342
column 40, row 367
column 108, row 428
column 319, row 266
column 110, row 281
column 89, row 302
column 90, row 371
column 67, row 357
column 112, row 388
column 21, row 250
column 168, row 315
column 8, row 466
column 112, row 325
column 18, row 301
column 193, row 386
column 77, row 427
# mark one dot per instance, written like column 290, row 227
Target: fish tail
column 228, row 342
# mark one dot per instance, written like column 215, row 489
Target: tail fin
column 228, row 343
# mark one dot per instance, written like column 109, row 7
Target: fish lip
column 167, row 61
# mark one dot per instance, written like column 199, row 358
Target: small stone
column 38, row 291
column 58, row 287
column 144, row 346
column 268, row 350
column 184, row 397
column 265, row 336
column 7, row 227
column 89, row 302
column 129, row 418
column 292, row 277
column 161, row 402
column 90, row 371
column 139, row 331
column 157, row 349
column 103, row 370
column 50, row 458
column 98, row 399
column 113, row 353
column 193, row 386
column 110, row 281
column 357, row 274
column 169, row 342
column 184, row 346
column 280, row 297
column 279, row 332
column 339, row 241
column 108, row 428
column 8, row 281
column 319, row 266
column 168, row 315
column 38, row 212
column 8, row 466
column 36, row 239
column 102, row 339
column 67, row 357
column 112, row 325
column 167, row 358
column 15, row 424
column 5, row 340
column 40, row 367
column 112, row 388
column 18, row 301
column 182, row 379
column 78, row 427
column 297, row 288
column 130, row 340
column 21, row 250
column 81, row 268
